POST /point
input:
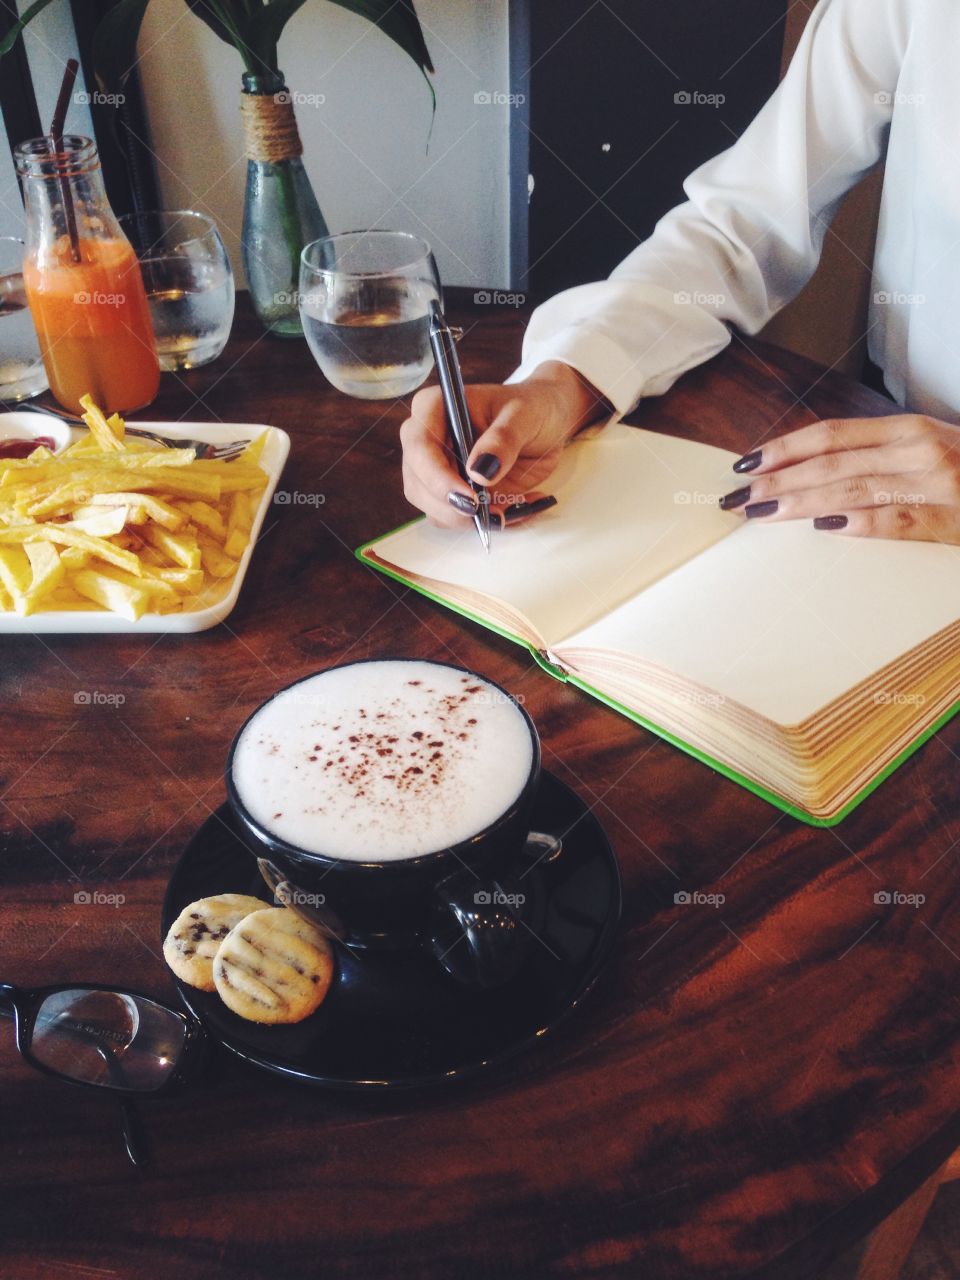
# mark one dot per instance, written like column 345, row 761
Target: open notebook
column 804, row 665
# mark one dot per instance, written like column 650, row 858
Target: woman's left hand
column 896, row 477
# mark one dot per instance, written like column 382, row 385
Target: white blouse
column 868, row 74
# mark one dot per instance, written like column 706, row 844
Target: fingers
column 771, row 502
column 833, row 436
column 915, row 523
column 429, row 464
column 498, row 448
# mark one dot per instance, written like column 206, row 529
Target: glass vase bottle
column 82, row 281
column 280, row 212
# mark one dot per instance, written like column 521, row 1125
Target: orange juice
column 93, row 324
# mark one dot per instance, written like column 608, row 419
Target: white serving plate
column 218, row 598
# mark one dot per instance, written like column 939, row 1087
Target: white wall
column 49, row 41
column 365, row 145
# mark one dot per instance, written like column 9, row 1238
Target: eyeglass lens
column 108, row 1038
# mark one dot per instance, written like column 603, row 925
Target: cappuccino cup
column 396, row 794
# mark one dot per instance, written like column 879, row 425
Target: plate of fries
column 117, row 533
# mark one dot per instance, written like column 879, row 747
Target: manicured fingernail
column 749, row 461
column 487, row 465
column 460, row 502
column 830, row 522
column 735, row 499
column 761, row 509
column 520, row 510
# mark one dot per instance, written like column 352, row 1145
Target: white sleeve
column 749, row 235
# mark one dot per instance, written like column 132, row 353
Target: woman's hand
column 896, row 477
column 521, row 431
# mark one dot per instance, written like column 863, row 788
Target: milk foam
column 383, row 760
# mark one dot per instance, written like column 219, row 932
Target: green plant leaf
column 115, row 43
column 10, row 39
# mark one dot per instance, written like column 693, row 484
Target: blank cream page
column 785, row 619
column 632, row 506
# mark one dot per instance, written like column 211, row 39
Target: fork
column 204, row 448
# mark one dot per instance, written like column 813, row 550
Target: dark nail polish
column 735, row 499
column 460, row 502
column 520, row 510
column 749, row 462
column 487, row 465
column 830, row 522
column 761, row 509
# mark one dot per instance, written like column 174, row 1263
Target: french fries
column 114, row 523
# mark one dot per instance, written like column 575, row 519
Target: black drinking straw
column 56, row 137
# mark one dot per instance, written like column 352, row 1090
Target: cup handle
column 478, row 932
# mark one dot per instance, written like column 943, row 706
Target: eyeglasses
column 102, row 1038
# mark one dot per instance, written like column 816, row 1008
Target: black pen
column 458, row 415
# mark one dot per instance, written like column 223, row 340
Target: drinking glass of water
column 22, row 374
column 364, row 301
column 189, row 284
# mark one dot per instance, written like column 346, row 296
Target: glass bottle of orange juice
column 83, row 281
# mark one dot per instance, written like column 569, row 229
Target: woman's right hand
column 521, row 431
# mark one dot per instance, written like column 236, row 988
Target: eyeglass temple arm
column 8, row 995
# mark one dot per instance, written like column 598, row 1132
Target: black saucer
column 395, row 1020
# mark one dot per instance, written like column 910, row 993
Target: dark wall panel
column 623, row 99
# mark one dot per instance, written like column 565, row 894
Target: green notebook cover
column 567, row 678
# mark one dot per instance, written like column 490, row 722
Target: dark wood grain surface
column 748, row 1089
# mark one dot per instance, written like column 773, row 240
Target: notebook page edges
column 784, row 619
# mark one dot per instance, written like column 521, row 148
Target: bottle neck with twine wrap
column 280, row 214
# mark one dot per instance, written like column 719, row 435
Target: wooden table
column 748, row 1089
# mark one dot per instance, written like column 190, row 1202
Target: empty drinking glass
column 189, row 284
column 22, row 374
column 364, row 302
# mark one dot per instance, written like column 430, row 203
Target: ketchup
column 24, row 448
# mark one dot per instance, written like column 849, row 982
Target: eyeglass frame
column 23, row 1004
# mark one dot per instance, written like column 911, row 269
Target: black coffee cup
column 461, row 903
